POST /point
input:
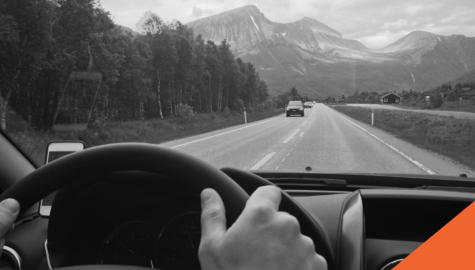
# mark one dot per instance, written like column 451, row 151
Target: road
column 323, row 139
column 455, row 114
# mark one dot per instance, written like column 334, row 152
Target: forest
column 66, row 61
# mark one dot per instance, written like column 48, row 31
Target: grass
column 448, row 136
column 466, row 105
column 33, row 143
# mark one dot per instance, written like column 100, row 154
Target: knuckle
column 307, row 243
column 211, row 213
column 290, row 224
column 4, row 221
column 261, row 212
column 269, row 188
column 319, row 262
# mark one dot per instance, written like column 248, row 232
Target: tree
column 164, row 56
column 452, row 96
column 45, row 41
column 23, row 48
column 436, row 100
column 294, row 93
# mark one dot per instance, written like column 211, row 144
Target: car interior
column 134, row 205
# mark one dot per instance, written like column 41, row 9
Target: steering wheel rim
column 127, row 157
column 149, row 158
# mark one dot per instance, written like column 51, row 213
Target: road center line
column 291, row 136
column 263, row 161
column 417, row 163
column 301, row 134
column 227, row 132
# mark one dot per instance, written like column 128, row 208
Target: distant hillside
column 127, row 30
column 468, row 77
column 318, row 60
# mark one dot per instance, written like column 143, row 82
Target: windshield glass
column 391, row 83
column 295, row 103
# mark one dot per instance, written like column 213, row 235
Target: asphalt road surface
column 323, row 139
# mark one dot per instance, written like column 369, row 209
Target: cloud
column 196, row 12
column 413, row 9
column 375, row 23
column 396, row 25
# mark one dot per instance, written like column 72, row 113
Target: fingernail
column 11, row 205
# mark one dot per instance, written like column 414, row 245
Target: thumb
column 213, row 216
column 9, row 209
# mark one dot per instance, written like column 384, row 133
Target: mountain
column 466, row 78
column 127, row 30
column 139, row 25
column 319, row 61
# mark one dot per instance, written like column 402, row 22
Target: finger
column 266, row 195
column 9, row 210
column 213, row 216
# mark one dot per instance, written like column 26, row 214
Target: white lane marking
column 227, row 132
column 263, row 161
column 288, row 154
column 417, row 163
column 301, row 134
column 291, row 136
column 276, row 167
column 304, row 123
column 283, row 160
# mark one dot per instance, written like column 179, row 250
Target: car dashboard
column 143, row 219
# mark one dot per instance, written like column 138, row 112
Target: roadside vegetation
column 465, row 105
column 448, row 136
column 67, row 63
column 150, row 130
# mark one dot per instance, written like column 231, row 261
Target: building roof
column 468, row 93
column 390, row 94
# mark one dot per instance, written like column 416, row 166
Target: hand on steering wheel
column 260, row 224
column 9, row 210
column 262, row 238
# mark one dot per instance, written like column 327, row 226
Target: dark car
column 295, row 107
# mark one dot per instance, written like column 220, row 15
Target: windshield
column 391, row 83
column 295, row 103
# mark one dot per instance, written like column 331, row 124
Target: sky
column 375, row 23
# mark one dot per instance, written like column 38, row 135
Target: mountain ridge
column 319, row 61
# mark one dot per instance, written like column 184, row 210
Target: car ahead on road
column 308, row 104
column 295, row 107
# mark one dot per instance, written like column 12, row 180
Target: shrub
column 183, row 110
column 452, row 96
column 436, row 100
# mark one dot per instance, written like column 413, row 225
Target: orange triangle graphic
column 452, row 247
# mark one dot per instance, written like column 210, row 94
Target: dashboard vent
column 10, row 259
column 391, row 265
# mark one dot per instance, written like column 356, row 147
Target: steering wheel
column 154, row 159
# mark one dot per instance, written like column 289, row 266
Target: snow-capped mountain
column 319, row 61
column 247, row 29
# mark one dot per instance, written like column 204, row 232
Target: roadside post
column 245, row 117
column 372, row 116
